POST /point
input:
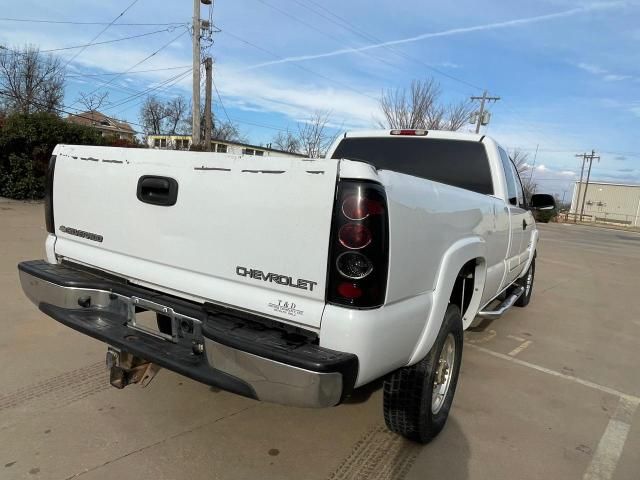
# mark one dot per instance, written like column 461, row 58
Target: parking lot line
column 605, row 460
column 520, row 348
column 586, row 383
column 517, row 339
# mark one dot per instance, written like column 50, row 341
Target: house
column 107, row 126
column 183, row 142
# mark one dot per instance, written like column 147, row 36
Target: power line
column 301, row 67
column 136, row 64
column 101, row 32
column 62, row 110
column 146, row 91
column 371, row 38
column 122, row 39
column 553, row 150
column 221, row 103
column 122, row 73
column 322, row 32
column 67, row 22
column 72, row 47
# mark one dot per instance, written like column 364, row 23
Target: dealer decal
column 276, row 278
column 285, row 308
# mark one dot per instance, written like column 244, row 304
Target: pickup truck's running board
column 506, row 304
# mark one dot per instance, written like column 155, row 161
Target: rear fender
column 453, row 260
column 532, row 251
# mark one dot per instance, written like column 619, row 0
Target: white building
column 608, row 202
column 183, row 142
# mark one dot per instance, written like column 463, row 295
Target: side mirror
column 542, row 201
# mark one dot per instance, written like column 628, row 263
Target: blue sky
column 568, row 72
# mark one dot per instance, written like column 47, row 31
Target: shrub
column 18, row 179
column 26, row 144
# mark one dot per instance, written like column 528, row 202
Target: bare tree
column 521, row 161
column 313, row 136
column 420, row 106
column 93, row 101
column 286, row 141
column 226, row 131
column 153, row 114
column 31, row 82
column 176, row 111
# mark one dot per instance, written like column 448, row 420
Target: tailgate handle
column 155, row 190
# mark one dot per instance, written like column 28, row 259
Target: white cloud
column 615, row 78
column 594, row 69
column 295, row 99
column 605, row 74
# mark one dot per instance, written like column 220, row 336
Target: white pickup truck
column 287, row 280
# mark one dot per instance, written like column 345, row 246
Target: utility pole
column 584, row 159
column 195, row 102
column 482, row 116
column 208, row 120
column 591, row 158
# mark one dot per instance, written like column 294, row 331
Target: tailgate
column 248, row 232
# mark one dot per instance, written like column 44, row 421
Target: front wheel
column 527, row 282
column 417, row 399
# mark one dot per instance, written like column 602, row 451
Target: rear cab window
column 458, row 163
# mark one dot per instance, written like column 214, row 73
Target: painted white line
column 607, row 454
column 488, row 337
column 517, row 339
column 517, row 350
column 548, row 371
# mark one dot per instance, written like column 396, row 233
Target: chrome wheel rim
column 444, row 372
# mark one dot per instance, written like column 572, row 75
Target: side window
column 520, row 190
column 507, row 166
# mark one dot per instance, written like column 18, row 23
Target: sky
column 567, row 72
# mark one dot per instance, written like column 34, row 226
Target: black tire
column 526, row 281
column 408, row 392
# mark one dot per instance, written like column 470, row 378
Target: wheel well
column 464, row 286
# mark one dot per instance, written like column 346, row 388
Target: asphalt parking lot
column 546, row 392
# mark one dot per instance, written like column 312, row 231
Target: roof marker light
column 410, row 132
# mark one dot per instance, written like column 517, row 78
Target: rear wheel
column 417, row 399
column 527, row 282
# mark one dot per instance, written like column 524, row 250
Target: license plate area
column 143, row 316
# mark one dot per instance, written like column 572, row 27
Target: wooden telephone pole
column 481, row 113
column 591, row 158
column 208, row 115
column 195, row 102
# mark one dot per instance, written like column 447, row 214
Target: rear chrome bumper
column 233, row 354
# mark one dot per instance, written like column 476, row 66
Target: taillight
column 358, row 255
column 410, row 132
column 354, row 236
column 48, row 196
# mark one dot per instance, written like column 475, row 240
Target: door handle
column 156, row 190
column 524, row 224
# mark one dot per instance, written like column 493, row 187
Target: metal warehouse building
column 608, row 202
